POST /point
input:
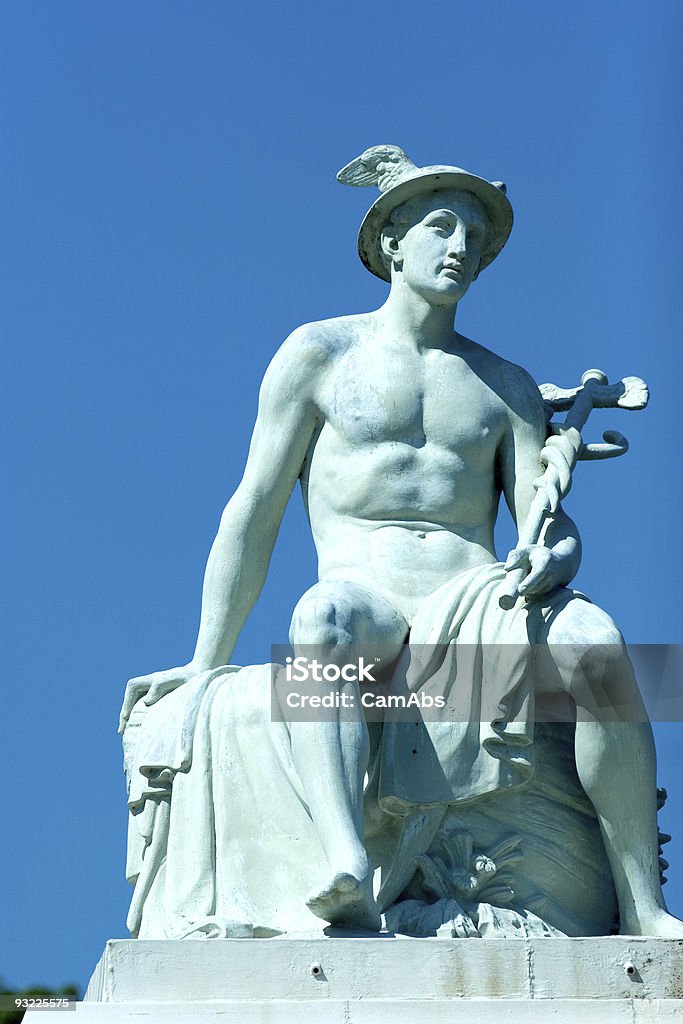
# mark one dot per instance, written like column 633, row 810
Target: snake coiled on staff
column 564, row 447
column 558, row 457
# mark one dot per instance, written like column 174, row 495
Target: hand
column 155, row 685
column 541, row 568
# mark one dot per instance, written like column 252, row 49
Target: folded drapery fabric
column 221, row 841
column 465, row 649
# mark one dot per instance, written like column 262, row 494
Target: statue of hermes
column 403, row 434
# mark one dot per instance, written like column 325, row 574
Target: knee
column 323, row 618
column 581, row 624
column 587, row 645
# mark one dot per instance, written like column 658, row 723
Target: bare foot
column 348, row 902
column 657, row 924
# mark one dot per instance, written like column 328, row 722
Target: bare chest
column 433, row 398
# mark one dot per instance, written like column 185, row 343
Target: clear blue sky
column 169, row 214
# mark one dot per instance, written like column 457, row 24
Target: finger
column 161, row 688
column 124, row 717
column 539, row 564
column 155, row 693
column 535, row 583
column 517, row 558
column 134, row 690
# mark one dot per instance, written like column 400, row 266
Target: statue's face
column 438, row 255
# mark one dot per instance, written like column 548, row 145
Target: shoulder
column 520, row 391
column 312, row 349
column 305, row 357
column 323, row 340
column 513, row 385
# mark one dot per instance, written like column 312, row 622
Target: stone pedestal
column 372, row 980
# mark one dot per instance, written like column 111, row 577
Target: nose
column 457, row 247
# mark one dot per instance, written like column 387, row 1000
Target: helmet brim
column 429, row 179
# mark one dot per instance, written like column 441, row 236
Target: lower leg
column 616, row 764
column 331, row 759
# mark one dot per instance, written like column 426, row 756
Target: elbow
column 248, row 511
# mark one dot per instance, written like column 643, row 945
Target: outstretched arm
column 241, row 552
column 555, row 561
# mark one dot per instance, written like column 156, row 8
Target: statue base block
column 373, row 980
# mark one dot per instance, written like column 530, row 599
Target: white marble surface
column 599, row 981
column 403, row 435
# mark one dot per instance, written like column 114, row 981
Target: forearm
column 235, row 573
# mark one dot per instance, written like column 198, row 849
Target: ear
column 391, row 248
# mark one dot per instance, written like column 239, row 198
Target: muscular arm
column 240, row 555
column 519, row 466
column 241, row 552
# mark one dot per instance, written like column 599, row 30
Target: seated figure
column 403, row 434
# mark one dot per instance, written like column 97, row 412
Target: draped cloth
column 480, row 660
column 221, row 842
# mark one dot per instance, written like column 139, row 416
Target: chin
column 446, row 291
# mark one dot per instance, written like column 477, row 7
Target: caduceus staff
column 564, row 448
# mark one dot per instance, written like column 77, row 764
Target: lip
column 453, row 270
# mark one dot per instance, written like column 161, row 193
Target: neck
column 410, row 315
